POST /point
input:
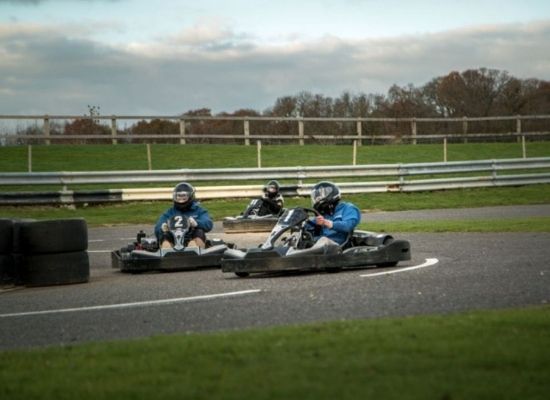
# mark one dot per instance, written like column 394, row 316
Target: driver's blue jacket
column 200, row 215
column 345, row 218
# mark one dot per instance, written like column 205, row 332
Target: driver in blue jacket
column 185, row 206
column 338, row 219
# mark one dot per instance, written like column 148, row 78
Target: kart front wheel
column 242, row 274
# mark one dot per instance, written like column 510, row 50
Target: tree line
column 471, row 93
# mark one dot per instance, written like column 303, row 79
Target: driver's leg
column 198, row 239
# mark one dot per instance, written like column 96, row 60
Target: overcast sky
column 167, row 57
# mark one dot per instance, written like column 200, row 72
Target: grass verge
column 148, row 212
column 483, row 355
column 539, row 224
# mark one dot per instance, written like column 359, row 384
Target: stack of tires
column 51, row 252
column 7, row 266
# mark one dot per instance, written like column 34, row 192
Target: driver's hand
column 320, row 220
column 164, row 227
column 192, row 222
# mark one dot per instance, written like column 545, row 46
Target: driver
column 187, row 207
column 272, row 199
column 338, row 219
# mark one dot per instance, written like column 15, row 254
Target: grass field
column 477, row 355
column 134, row 157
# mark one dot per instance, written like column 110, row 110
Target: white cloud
column 43, row 70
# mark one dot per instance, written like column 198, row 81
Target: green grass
column 476, row 355
column 539, row 224
column 132, row 157
column 147, row 212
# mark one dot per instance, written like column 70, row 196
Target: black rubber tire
column 50, row 237
column 7, row 269
column 242, row 274
column 6, row 236
column 387, row 264
column 54, row 269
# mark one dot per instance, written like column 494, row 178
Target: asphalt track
column 449, row 273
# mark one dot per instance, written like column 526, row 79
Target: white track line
column 429, row 262
column 136, row 304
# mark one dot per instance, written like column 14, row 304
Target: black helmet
column 272, row 189
column 183, row 196
column 325, row 196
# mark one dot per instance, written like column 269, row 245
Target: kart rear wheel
column 242, row 274
column 387, row 264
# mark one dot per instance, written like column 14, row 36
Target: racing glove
column 192, row 222
column 164, row 227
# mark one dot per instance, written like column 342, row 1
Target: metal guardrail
column 406, row 178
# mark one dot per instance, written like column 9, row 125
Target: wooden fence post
column 445, row 149
column 359, row 133
column 246, row 132
column 413, row 130
column 46, row 128
column 465, row 128
column 259, row 153
column 113, row 129
column 182, row 131
column 301, row 131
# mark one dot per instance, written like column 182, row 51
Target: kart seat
column 322, row 246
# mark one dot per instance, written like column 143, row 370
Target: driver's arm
column 204, row 221
column 350, row 219
column 163, row 218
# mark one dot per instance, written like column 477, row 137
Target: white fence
column 360, row 133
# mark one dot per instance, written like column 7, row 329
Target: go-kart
column 249, row 220
column 291, row 247
column 145, row 254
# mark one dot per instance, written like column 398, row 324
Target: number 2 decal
column 178, row 219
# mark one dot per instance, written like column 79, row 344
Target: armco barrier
column 404, row 178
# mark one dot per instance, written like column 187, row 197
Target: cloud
column 36, row 2
column 44, row 70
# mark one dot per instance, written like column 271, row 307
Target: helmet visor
column 181, row 197
column 320, row 193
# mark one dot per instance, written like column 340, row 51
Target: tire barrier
column 54, row 268
column 52, row 236
column 7, row 266
column 42, row 253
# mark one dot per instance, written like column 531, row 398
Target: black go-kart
column 291, row 247
column 145, row 254
column 249, row 221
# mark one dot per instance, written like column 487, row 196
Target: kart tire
column 332, row 270
column 7, row 269
column 6, row 236
column 51, row 236
column 387, row 264
column 242, row 274
column 54, row 269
